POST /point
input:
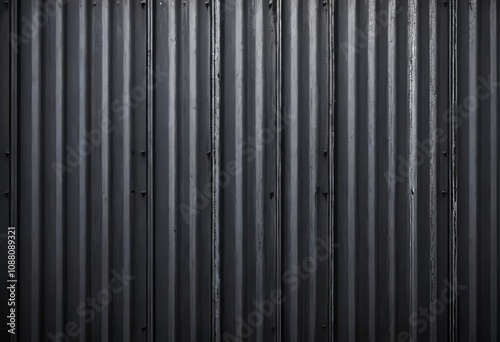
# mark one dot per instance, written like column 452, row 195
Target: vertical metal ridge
column 331, row 166
column 412, row 168
column 216, row 149
column 294, row 165
column 453, row 219
column 313, row 159
column 105, row 164
column 371, row 196
column 127, row 168
column 259, row 158
column 59, row 95
column 351, row 170
column 238, row 158
column 473, row 183
column 279, row 169
column 432, row 166
column 193, row 132
column 172, row 172
column 494, row 173
column 82, row 181
column 35, row 179
column 150, row 295
column 391, row 126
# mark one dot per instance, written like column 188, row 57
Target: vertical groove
column 351, row 171
column 494, row 173
column 313, row 162
column 432, row 166
column 82, row 79
column 215, row 137
column 473, row 144
column 293, row 167
column 127, row 166
column 193, row 131
column 35, row 178
column 412, row 168
column 59, row 143
column 371, row 169
column 238, row 129
column 391, row 124
column 259, row 160
column 105, row 163
column 172, row 172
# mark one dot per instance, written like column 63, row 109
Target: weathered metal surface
column 81, row 131
column 182, row 172
column 476, row 124
column 255, row 170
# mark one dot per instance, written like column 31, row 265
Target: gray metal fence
column 226, row 170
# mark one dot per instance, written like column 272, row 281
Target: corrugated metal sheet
column 182, row 172
column 81, row 174
column 256, row 170
column 391, row 170
column 476, row 171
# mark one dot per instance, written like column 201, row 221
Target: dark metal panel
column 29, row 181
column 76, row 123
column 248, row 131
column 179, row 175
column 182, row 171
column 305, row 171
column 477, row 158
column 83, row 218
column 390, row 131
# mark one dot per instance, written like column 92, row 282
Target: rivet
column 7, row 153
column 143, row 193
column 143, row 152
column 271, row 194
column 325, row 152
column 443, row 193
